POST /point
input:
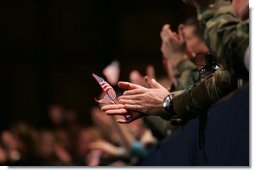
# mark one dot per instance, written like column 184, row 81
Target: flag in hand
column 109, row 92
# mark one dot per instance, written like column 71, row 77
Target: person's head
column 193, row 36
column 57, row 114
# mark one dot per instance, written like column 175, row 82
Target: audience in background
column 107, row 142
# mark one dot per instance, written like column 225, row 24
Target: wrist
column 168, row 107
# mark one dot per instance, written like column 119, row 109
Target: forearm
column 196, row 100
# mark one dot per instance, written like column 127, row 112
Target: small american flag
column 110, row 94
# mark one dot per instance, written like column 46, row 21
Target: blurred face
column 56, row 114
column 241, row 8
column 194, row 43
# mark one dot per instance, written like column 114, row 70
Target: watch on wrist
column 169, row 111
column 168, row 104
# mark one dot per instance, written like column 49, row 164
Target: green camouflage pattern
column 228, row 38
column 186, row 74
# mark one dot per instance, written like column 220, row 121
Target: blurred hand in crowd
column 138, row 101
column 106, row 148
column 62, row 154
column 148, row 138
column 93, row 158
column 9, row 140
column 137, row 78
column 172, row 43
column 105, row 125
column 3, row 156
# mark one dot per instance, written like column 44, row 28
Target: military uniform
column 228, row 37
column 186, row 74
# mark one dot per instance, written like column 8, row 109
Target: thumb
column 152, row 83
column 155, row 84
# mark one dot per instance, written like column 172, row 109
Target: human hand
column 106, row 147
column 172, row 43
column 148, row 138
column 144, row 100
column 137, row 78
column 118, row 109
column 138, row 101
column 93, row 158
column 62, row 154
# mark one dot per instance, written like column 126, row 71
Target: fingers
column 164, row 34
column 152, row 83
column 117, row 112
column 132, row 107
column 112, row 107
column 133, row 92
column 155, row 84
column 129, row 86
column 166, row 26
column 130, row 119
column 181, row 33
column 124, row 121
column 126, row 101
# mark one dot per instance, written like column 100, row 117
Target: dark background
column 49, row 49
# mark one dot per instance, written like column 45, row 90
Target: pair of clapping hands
column 138, row 101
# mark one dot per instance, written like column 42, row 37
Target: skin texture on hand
column 138, row 101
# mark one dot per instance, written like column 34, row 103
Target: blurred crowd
column 69, row 143
column 205, row 59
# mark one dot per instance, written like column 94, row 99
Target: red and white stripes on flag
column 109, row 92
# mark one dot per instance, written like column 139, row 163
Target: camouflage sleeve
column 187, row 75
column 227, row 36
column 197, row 99
column 187, row 79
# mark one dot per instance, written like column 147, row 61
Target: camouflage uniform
column 186, row 74
column 228, row 37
